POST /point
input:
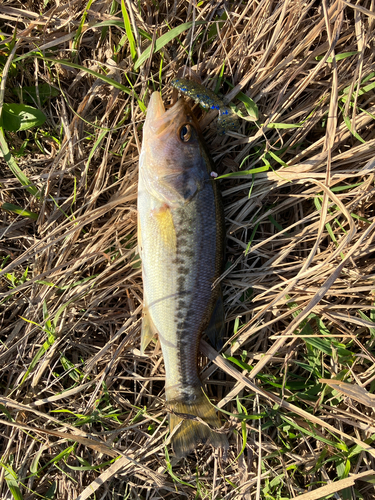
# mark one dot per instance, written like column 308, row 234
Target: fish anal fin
column 216, row 326
column 148, row 331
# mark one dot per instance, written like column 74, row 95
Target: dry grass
column 81, row 412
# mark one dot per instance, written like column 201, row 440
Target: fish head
column 173, row 163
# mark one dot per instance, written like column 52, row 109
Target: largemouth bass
column 181, row 244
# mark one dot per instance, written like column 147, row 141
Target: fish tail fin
column 192, row 432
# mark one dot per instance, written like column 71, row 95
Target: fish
column 227, row 119
column 181, row 245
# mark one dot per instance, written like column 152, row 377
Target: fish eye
column 185, row 132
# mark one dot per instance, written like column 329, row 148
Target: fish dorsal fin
column 148, row 330
column 215, row 328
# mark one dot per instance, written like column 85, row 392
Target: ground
column 82, row 413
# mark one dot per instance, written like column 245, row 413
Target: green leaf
column 241, row 364
column 46, row 345
column 29, row 94
column 94, row 148
column 35, row 463
column 216, row 27
column 51, row 491
column 250, row 106
column 362, row 90
column 120, row 24
column 17, row 117
column 14, row 167
column 164, row 39
column 18, row 210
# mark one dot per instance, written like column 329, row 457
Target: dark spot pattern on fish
column 183, row 232
column 196, row 237
column 227, row 119
column 178, row 260
column 187, row 253
column 180, row 282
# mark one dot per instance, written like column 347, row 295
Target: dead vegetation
column 82, row 413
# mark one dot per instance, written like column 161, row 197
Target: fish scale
column 197, row 275
column 181, row 239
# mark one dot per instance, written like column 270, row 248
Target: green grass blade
column 340, row 445
column 279, row 160
column 220, row 79
column 80, row 27
column 70, row 64
column 106, row 79
column 338, row 57
column 120, row 24
column 251, row 238
column 240, row 409
column 349, row 125
column 244, row 172
column 12, row 482
column 102, row 134
column 278, row 226
column 42, row 350
column 283, row 125
column 164, row 39
column 250, row 106
column 129, row 32
column 19, row 211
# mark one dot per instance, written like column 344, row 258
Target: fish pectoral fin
column 216, row 326
column 166, row 229
column 148, row 330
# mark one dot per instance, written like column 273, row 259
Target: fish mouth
column 158, row 119
column 155, row 107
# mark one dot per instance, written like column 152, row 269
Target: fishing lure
column 227, row 119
